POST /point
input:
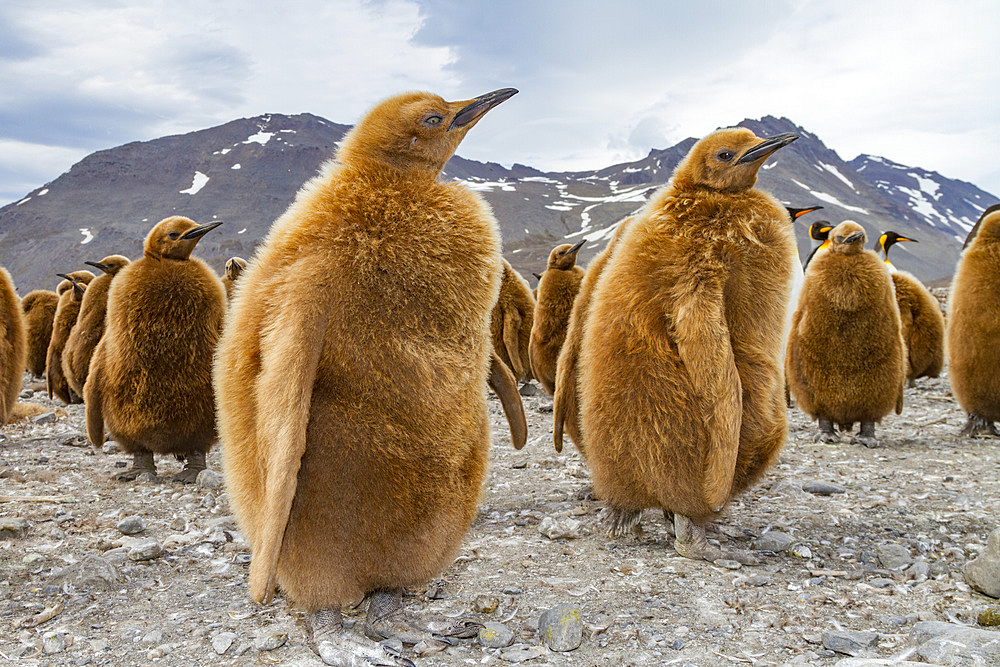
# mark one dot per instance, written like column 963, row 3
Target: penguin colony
column 666, row 358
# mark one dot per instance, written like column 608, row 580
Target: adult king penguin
column 557, row 290
column 352, row 378
column 150, row 379
column 818, row 231
column 681, row 391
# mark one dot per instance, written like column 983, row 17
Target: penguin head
column 727, row 160
column 820, row 230
column 415, row 133
column 847, row 238
column 78, row 281
column 989, row 227
column 63, row 285
column 234, row 267
column 111, row 264
column 175, row 238
column 563, row 256
column 888, row 239
column 796, row 213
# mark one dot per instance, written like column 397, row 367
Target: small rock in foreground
column 495, row 635
column 893, row 556
column 145, row 550
column 521, row 653
column 561, row 628
column 823, row 488
column 91, row 573
column 559, row 529
column 209, row 479
column 131, row 525
column 983, row 572
column 12, row 526
column 773, row 540
column 270, row 638
column 850, row 643
column 222, row 641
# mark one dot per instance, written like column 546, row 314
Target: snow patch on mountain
column 197, row 184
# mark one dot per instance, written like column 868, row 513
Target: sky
column 601, row 82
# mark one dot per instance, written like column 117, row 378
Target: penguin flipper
column 288, row 368
column 564, row 399
column 512, row 341
column 704, row 346
column 503, row 383
column 94, row 411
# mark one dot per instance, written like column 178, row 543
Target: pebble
column 90, row 573
column 54, row 642
column 823, row 488
column 222, row 641
column 801, row 551
column 773, row 540
column 153, row 637
column 961, row 645
column 45, row 418
column 209, row 479
column 12, row 526
column 564, row 528
column 983, row 572
column 393, row 644
column 721, row 562
column 877, row 662
column 145, row 550
column 561, row 628
column 545, row 407
column 485, row 604
column 131, row 525
column 919, row 571
column 270, row 638
column 528, row 389
column 893, row 556
column 850, row 643
column 521, row 653
column 111, row 447
column 27, row 393
column 495, row 635
column 989, row 617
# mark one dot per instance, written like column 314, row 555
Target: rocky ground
column 870, row 547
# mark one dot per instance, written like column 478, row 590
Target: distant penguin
column 798, row 272
column 566, row 401
column 557, row 289
column 13, row 347
column 920, row 317
column 89, row 325
column 818, row 231
column 510, row 322
column 534, row 290
column 234, row 267
column 39, row 310
column 67, row 311
column 680, row 383
column 150, row 378
column 970, row 237
column 846, row 361
column 974, row 329
column 356, row 463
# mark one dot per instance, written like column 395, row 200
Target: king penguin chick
column 566, row 399
column 39, row 310
column 510, row 323
column 974, row 329
column 920, row 317
column 970, row 237
column 13, row 347
column 681, row 392
column 63, row 321
column 89, row 325
column 150, row 379
column 818, row 231
column 234, row 267
column 557, row 290
column 367, row 341
column 846, row 361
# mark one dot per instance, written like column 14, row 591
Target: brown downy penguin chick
column 13, row 347
column 974, row 329
column 681, row 390
column 920, row 317
column 510, row 323
column 557, row 289
column 150, row 379
column 534, row 290
column 234, row 267
column 846, row 361
column 970, row 237
column 63, row 321
column 89, row 325
column 39, row 311
column 367, row 341
column 566, row 403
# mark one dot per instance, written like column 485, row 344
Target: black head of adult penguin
column 820, row 230
column 848, row 238
column 175, row 238
column 111, row 264
column 415, row 133
column 563, row 257
column 888, row 239
column 728, row 160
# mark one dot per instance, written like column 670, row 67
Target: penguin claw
column 867, row 441
column 621, row 522
column 976, row 426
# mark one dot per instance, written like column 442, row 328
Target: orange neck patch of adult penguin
column 416, row 133
column 727, row 160
column 175, row 238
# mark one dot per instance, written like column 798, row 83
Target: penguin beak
column 63, row 275
column 479, row 106
column 903, row 238
column 98, row 266
column 853, row 237
column 576, row 247
column 802, row 211
column 200, row 231
column 766, row 147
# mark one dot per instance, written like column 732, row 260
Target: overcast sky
column 601, row 82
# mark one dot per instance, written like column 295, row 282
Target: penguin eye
column 433, row 120
column 725, row 156
column 173, row 236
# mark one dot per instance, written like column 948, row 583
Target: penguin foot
column 336, row 647
column 621, row 522
column 194, row 463
column 827, row 432
column 866, row 436
column 141, row 462
column 387, row 619
column 978, row 426
column 690, row 542
column 911, row 383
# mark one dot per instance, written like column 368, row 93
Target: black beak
column 576, row 247
column 63, row 275
column 98, row 266
column 479, row 106
column 766, row 147
column 853, row 237
column 538, row 276
column 200, row 231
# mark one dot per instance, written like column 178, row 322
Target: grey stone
column 877, row 662
column 222, row 641
column 521, row 653
column 773, row 540
column 27, row 393
column 111, row 447
column 45, row 418
column 918, row 571
column 545, row 407
column 562, row 528
column 54, row 642
column 92, row 573
column 528, row 389
column 967, row 646
column 226, row 522
column 131, row 525
column 823, row 488
column 153, row 637
column 269, row 639
column 145, row 550
column 561, row 628
column 12, row 526
column 927, row 630
column 850, row 643
column 983, row 572
column 495, row 635
column 893, row 556
column 485, row 604
column 787, row 488
column 209, row 479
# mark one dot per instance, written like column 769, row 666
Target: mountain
column 246, row 172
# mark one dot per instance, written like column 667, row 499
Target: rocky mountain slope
column 247, row 171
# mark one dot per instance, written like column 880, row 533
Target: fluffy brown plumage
column 234, row 267
column 846, row 360
column 365, row 345
column 39, row 311
column 557, row 290
column 510, row 323
column 67, row 310
column 13, row 347
column 150, row 378
column 680, row 383
column 974, row 328
column 89, row 325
